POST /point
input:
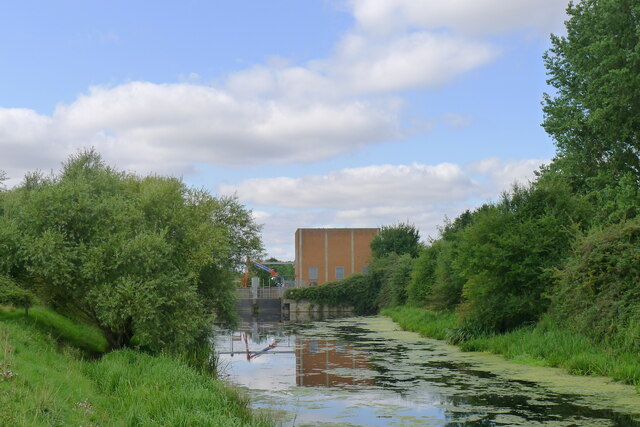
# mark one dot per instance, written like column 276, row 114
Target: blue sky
column 314, row 113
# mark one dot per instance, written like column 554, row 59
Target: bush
column 394, row 278
column 507, row 253
column 359, row 291
column 143, row 257
column 11, row 293
column 423, row 276
column 598, row 288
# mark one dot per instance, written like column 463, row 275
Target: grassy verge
column 62, row 329
column 427, row 323
column 544, row 344
column 42, row 383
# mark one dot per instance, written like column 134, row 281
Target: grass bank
column 46, row 381
column 544, row 344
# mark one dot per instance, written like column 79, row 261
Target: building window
column 313, row 273
column 339, row 273
column 364, row 270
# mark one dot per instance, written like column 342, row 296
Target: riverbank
column 49, row 375
column 543, row 344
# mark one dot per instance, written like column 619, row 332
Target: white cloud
column 166, row 128
column 501, row 175
column 365, row 66
column 407, row 61
column 464, row 16
column 376, row 195
column 387, row 185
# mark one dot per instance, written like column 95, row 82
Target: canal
column 365, row 371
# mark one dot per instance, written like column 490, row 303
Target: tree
column 399, row 239
column 597, row 291
column 146, row 259
column 594, row 114
column 507, row 253
column 10, row 293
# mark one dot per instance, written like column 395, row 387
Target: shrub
column 358, row 290
column 598, row 287
column 394, row 280
column 11, row 293
column 135, row 256
column 507, row 253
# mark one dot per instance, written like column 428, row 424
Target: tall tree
column 594, row 114
column 146, row 259
column 400, row 239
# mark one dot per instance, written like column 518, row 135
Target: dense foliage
column 598, row 289
column 11, row 293
column 357, row 291
column 146, row 259
column 594, row 114
column 399, row 239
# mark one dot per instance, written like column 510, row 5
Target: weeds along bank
column 46, row 378
column 542, row 344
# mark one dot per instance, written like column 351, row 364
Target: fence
column 260, row 293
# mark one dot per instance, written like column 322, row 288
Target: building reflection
column 321, row 363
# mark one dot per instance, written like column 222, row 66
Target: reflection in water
column 363, row 371
column 323, row 363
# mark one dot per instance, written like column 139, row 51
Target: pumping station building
column 328, row 254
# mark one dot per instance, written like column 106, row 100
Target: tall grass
column 43, row 383
column 158, row 390
column 544, row 344
column 63, row 329
column 428, row 323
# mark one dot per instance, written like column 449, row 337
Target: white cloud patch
column 165, row 128
column 376, row 195
column 387, row 185
column 464, row 16
column 500, row 175
column 408, row 61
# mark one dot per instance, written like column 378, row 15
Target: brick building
column 328, row 254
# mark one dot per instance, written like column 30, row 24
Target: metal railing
column 260, row 293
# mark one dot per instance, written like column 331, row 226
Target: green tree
column 394, row 274
column 598, row 288
column 11, row 293
column 399, row 239
column 594, row 113
column 147, row 260
column 508, row 251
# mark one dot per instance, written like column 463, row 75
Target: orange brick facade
column 325, row 254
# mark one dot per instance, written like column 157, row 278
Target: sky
column 314, row 113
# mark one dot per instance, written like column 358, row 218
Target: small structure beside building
column 328, row 254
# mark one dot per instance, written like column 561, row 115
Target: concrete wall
column 330, row 248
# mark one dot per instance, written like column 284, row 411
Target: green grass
column 428, row 323
column 62, row 329
column 544, row 344
column 43, row 383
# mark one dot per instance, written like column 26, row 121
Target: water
column 366, row 372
